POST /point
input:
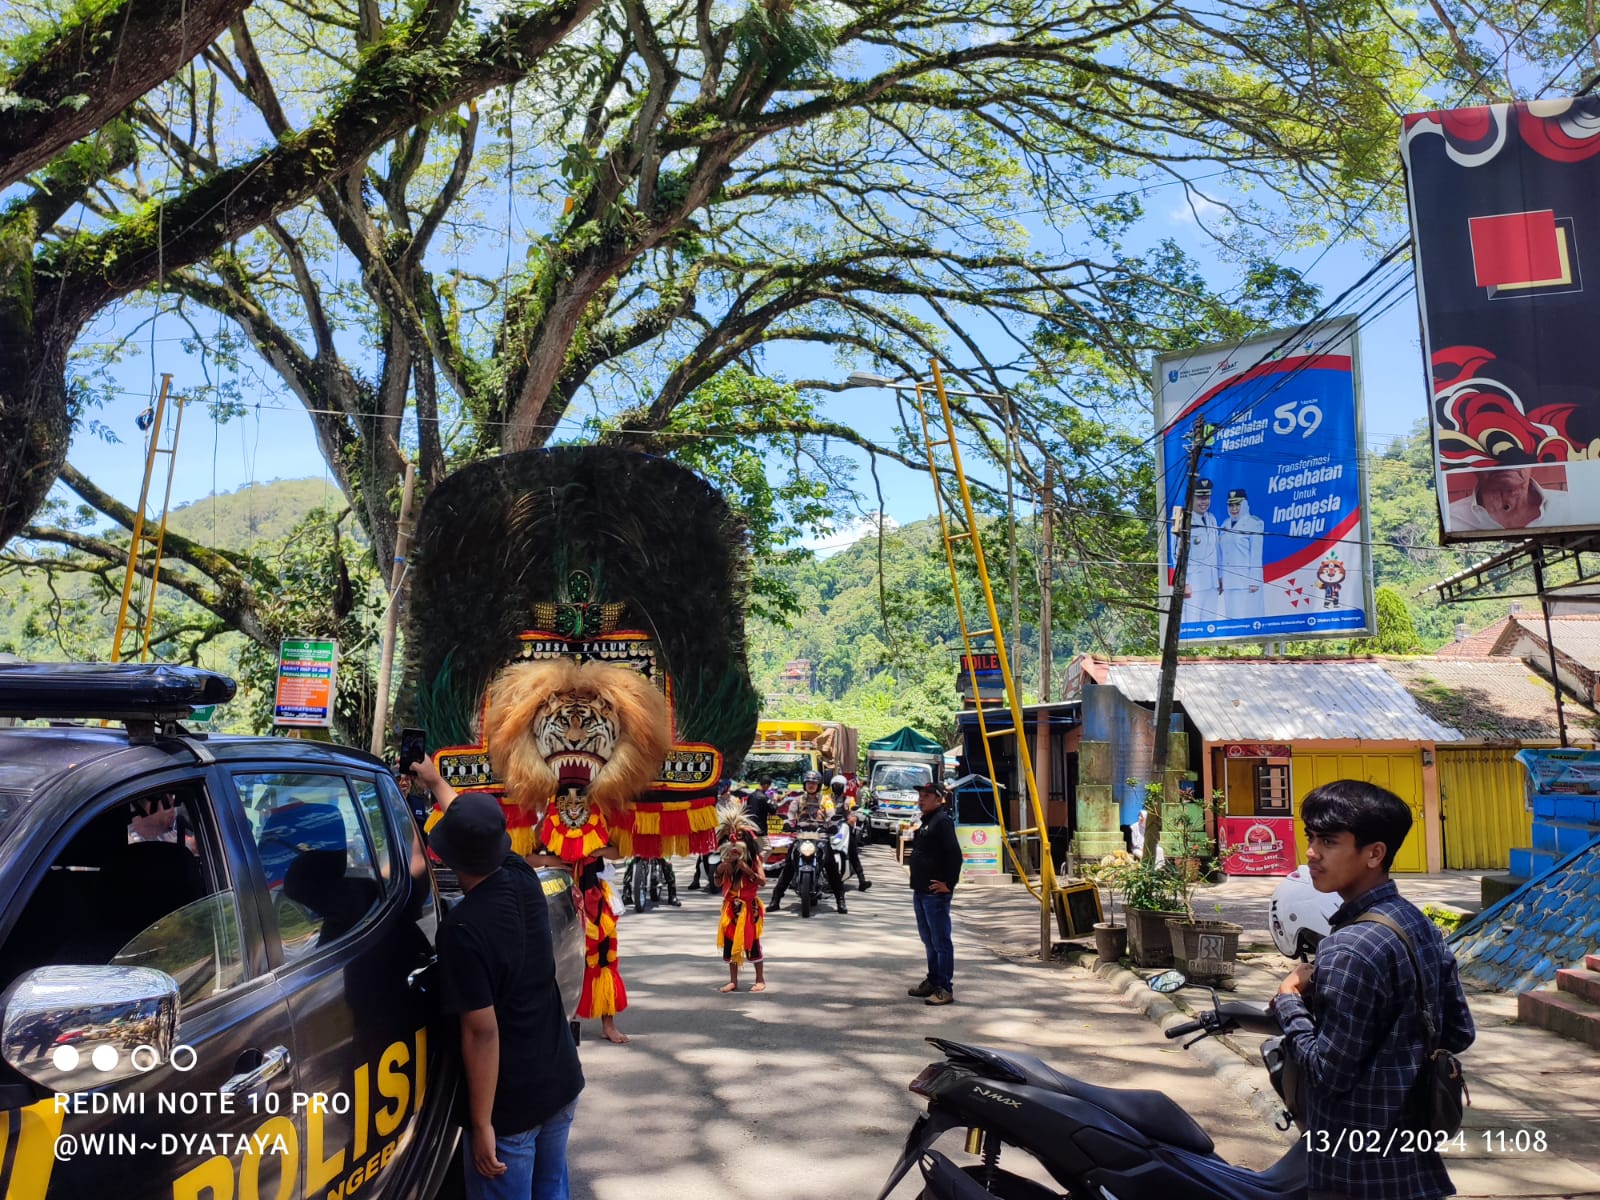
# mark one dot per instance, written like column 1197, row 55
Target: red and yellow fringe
column 667, row 829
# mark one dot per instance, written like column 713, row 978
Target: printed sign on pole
column 980, row 849
column 308, row 670
column 1278, row 536
column 1503, row 217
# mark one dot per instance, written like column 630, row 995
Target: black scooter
column 1098, row 1143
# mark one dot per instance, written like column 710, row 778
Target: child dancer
column 739, row 931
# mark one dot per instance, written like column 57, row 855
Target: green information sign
column 308, row 671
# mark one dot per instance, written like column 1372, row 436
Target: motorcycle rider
column 845, row 808
column 811, row 811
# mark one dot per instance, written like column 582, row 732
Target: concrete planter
column 1148, row 940
column 1110, row 941
column 1204, row 950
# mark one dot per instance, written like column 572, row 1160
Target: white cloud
column 848, row 535
column 1197, row 209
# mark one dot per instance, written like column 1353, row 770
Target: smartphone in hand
column 413, row 748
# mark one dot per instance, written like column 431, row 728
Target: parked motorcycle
column 1094, row 1141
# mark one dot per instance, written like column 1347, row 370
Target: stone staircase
column 1572, row 1009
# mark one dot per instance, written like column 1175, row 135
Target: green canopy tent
column 906, row 741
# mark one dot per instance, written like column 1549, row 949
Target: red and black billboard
column 1505, row 220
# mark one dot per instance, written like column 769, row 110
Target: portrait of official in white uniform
column 1239, row 540
column 1202, row 587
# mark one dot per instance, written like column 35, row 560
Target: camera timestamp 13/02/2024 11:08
column 1410, row 1141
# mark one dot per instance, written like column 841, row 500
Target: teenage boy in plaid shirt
column 1353, row 1015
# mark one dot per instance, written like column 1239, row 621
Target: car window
column 142, row 884
column 383, row 852
column 902, row 775
column 317, row 854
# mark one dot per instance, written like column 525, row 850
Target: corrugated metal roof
column 1576, row 637
column 1253, row 700
column 1484, row 699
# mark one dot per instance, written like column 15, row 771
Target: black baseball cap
column 471, row 836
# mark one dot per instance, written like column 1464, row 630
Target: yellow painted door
column 1398, row 770
column 1481, row 796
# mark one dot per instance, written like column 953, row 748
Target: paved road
column 801, row 1091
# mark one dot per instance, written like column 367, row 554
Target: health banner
column 1503, row 215
column 980, row 849
column 308, row 671
column 1258, row 845
column 1278, row 534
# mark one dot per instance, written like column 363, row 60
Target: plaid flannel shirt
column 1360, row 1041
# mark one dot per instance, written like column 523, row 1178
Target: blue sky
column 274, row 440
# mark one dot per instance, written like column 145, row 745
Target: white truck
column 896, row 766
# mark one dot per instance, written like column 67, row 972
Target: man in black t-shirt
column 497, row 969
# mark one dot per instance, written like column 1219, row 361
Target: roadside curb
column 1231, row 1068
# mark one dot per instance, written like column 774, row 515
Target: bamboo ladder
column 1045, row 891
column 141, row 540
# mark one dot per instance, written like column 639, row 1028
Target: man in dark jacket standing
column 935, row 871
column 497, row 971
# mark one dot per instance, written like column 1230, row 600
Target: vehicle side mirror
column 1168, row 982
column 71, row 1028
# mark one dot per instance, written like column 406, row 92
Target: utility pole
column 1550, row 642
column 1011, row 528
column 1043, row 734
column 402, row 547
column 1169, row 640
column 1047, row 567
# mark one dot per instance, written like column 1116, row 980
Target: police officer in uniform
column 811, row 811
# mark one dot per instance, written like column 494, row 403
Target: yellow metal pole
column 1047, row 884
column 949, row 540
column 161, row 534
column 138, row 522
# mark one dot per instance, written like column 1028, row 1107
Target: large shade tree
column 679, row 202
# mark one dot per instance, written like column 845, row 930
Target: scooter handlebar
column 1187, row 1027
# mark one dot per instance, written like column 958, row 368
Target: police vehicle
column 217, row 973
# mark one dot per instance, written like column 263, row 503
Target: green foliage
column 302, row 605
column 256, row 514
column 780, row 502
column 1155, row 888
column 1113, row 872
column 1448, row 920
column 1397, row 632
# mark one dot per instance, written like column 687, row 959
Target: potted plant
column 1151, row 894
column 1204, row 950
column 1111, row 873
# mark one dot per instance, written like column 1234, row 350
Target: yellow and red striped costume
column 604, row 994
column 743, row 916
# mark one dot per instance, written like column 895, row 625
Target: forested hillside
column 877, row 625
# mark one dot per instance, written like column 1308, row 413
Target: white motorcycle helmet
column 1298, row 915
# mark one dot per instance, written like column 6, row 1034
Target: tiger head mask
column 559, row 726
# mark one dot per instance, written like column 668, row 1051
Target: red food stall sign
column 1258, row 845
